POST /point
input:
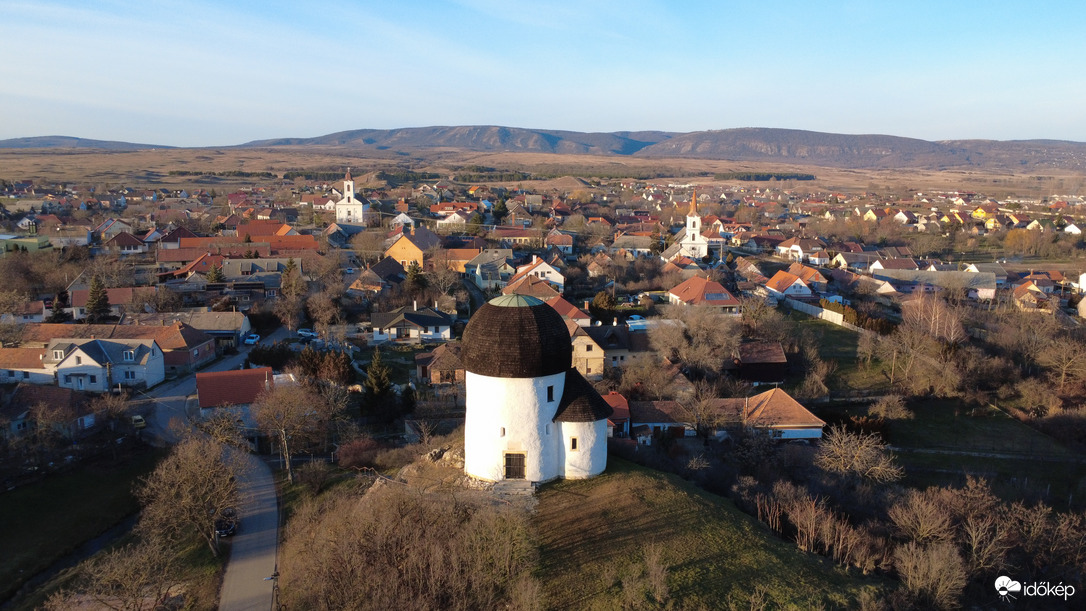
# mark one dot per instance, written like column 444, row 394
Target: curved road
column 253, row 549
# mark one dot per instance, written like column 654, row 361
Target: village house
column 413, row 246
column 233, row 388
column 589, row 357
column 784, row 284
column 441, row 365
column 699, row 290
column 542, row 270
column 411, row 323
column 96, row 365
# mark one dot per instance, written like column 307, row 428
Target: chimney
column 534, row 258
column 415, row 305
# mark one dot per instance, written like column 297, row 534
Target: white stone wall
column 590, row 457
column 520, row 406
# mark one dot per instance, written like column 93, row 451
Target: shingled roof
column 516, row 336
column 580, row 401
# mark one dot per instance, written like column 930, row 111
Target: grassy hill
column 594, row 533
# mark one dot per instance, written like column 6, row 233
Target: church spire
column 693, row 204
column 348, row 176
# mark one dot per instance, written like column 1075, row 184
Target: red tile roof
column 239, row 387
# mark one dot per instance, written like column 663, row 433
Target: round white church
column 530, row 415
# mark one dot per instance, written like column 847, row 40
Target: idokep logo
column 1007, row 588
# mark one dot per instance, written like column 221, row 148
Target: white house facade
column 98, row 365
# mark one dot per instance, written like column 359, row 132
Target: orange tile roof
column 566, row 309
column 701, row 291
column 781, row 281
column 21, row 358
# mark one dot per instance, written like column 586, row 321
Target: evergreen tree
column 416, row 280
column 378, row 386
column 657, row 245
column 292, row 284
column 603, row 306
column 59, row 314
column 215, row 274
column 98, row 308
column 499, row 212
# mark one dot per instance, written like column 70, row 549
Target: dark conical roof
column 516, row 336
column 581, row 402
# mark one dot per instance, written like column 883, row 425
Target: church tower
column 694, row 245
column 348, row 187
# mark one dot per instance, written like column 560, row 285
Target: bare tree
column 189, row 489
column 288, row 308
column 699, row 337
column 1067, row 358
column 933, row 575
column 110, row 408
column 920, row 517
column 933, row 316
column 369, row 245
column 443, row 277
column 135, row 577
column 292, row 415
column 647, row 378
column 856, row 455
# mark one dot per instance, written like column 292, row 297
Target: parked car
column 226, row 525
column 252, row 340
column 138, row 422
column 310, row 333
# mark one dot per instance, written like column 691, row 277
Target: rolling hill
column 768, row 145
column 69, row 142
column 795, row 147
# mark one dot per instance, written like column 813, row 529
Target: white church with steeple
column 350, row 209
column 693, row 244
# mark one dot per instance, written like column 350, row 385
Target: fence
column 824, row 314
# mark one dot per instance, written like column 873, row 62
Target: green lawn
column 399, row 358
column 47, row 520
column 593, row 534
column 945, row 423
column 946, row 440
column 839, row 344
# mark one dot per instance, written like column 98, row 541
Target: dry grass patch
column 605, row 542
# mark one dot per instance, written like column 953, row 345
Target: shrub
column 934, row 576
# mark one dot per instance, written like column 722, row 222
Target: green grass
column 400, row 359
column 840, row 344
column 946, row 423
column 46, row 520
column 945, row 441
column 593, row 534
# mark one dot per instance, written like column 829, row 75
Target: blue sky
column 198, row 73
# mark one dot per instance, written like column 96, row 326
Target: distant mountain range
column 785, row 146
column 68, row 142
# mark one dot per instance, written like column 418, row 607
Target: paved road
column 173, row 404
column 253, row 548
column 170, row 409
